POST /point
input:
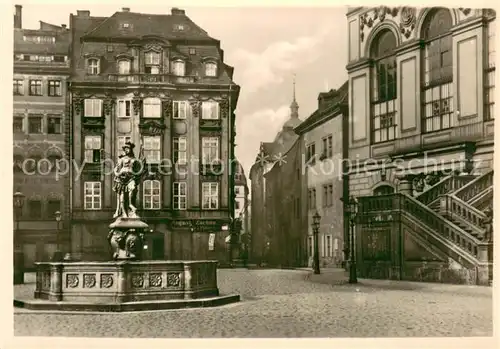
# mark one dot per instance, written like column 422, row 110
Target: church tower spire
column 294, row 107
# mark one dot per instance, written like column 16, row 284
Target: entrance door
column 158, row 248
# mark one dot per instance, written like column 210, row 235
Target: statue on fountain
column 126, row 235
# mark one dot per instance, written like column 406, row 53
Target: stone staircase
column 447, row 218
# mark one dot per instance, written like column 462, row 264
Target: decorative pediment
column 152, row 47
column 210, row 124
column 124, row 56
column 93, row 123
column 151, row 127
column 209, row 59
column 92, row 55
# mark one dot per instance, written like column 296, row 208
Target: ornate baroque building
column 421, row 110
column 40, row 133
column 159, row 81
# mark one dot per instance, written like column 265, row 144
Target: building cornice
column 323, row 118
column 359, row 64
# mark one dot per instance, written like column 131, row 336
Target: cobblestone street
column 291, row 303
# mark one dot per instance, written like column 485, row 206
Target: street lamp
column 352, row 211
column 315, row 226
column 58, row 256
column 18, row 255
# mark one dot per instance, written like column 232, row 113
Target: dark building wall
column 258, row 216
column 287, row 224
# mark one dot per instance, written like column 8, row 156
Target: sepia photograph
column 309, row 171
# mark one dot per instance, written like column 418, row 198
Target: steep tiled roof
column 142, row 24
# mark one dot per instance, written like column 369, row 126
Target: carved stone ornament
column 152, row 127
column 173, row 280
column 46, row 280
column 137, row 102
column 224, row 108
column 167, row 108
column 195, row 107
column 379, row 14
column 78, row 102
column 408, row 20
column 89, row 280
column 72, row 280
column 465, row 11
column 108, row 104
column 155, row 280
column 106, row 280
column 137, row 280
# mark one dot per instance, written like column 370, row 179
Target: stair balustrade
column 455, row 206
column 475, row 187
column 444, row 186
column 425, row 215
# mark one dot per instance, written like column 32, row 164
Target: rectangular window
column 490, row 94
column 180, row 196
column 55, row 88
column 329, row 251
column 438, row 107
column 93, row 146
column 92, row 197
column 54, row 125
column 121, row 142
column 210, row 196
column 124, row 67
column 210, row 69
column 329, row 146
column 311, row 246
column 35, row 87
column 312, row 198
column 180, row 150
column 152, row 148
column 93, row 66
column 384, row 121
column 52, row 207
column 178, row 68
column 491, row 44
column 311, row 153
column 210, row 110
column 124, row 108
column 152, row 58
column 336, row 244
column 179, row 109
column 18, row 87
column 152, row 108
column 35, row 123
column 93, row 108
column 35, row 209
column 326, row 199
column 210, row 150
column 18, row 124
column 151, row 194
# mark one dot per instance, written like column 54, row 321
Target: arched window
column 438, row 71
column 178, row 68
column 383, row 190
column 152, row 108
column 151, row 194
column 384, row 87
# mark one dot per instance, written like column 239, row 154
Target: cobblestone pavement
column 291, row 303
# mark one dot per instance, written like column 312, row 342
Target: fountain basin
column 126, row 285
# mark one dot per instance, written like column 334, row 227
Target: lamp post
column 315, row 226
column 58, row 256
column 352, row 211
column 18, row 255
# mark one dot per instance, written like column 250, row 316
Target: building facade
column 40, row 131
column 286, row 191
column 159, row 81
column 269, row 153
column 322, row 138
column 241, row 210
column 421, row 111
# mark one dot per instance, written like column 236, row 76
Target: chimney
column 18, row 17
column 125, row 9
column 178, row 12
column 83, row 13
column 63, row 26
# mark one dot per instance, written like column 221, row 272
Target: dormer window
column 125, row 25
column 152, row 63
column 211, row 69
column 93, row 66
column 178, row 27
column 124, row 66
column 178, row 68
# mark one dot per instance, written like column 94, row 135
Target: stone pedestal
column 18, row 267
column 126, row 238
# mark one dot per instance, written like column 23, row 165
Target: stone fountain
column 126, row 282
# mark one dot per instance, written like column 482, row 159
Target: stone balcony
column 152, row 78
